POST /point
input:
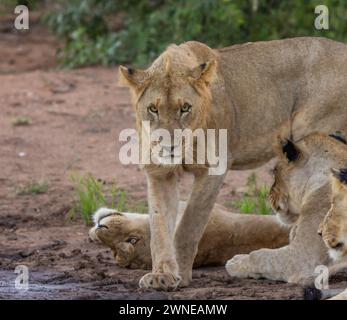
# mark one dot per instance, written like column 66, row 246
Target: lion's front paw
column 238, row 266
column 186, row 278
column 160, row 281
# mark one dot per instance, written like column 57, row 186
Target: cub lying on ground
column 301, row 196
column 226, row 234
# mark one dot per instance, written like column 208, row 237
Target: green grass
column 141, row 207
column 254, row 199
column 34, row 187
column 21, row 121
column 264, row 207
column 92, row 194
column 246, row 205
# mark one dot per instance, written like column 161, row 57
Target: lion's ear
column 205, row 72
column 290, row 150
column 340, row 175
column 134, row 78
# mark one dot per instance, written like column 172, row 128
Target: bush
column 150, row 25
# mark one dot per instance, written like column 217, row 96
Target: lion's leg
column 194, row 220
column 163, row 206
column 292, row 263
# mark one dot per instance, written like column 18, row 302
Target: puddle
column 71, row 290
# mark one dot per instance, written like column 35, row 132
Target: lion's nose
column 337, row 246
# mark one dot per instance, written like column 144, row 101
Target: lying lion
column 301, row 196
column 226, row 234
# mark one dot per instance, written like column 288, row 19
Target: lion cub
column 333, row 228
column 301, row 197
column 226, row 234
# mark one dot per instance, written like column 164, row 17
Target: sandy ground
column 75, row 119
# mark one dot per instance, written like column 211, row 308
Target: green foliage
column 246, row 205
column 141, row 207
column 254, row 199
column 34, row 187
column 31, row 4
column 264, row 207
column 82, row 25
column 149, row 26
column 91, row 196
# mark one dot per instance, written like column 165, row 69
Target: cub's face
column 126, row 234
column 284, row 196
column 333, row 229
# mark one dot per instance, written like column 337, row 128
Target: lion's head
column 289, row 157
column 302, row 168
column 127, row 234
column 333, row 229
column 173, row 93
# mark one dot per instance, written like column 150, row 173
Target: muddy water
column 43, row 285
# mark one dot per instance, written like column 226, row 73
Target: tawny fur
column 304, row 184
column 252, row 90
column 334, row 226
column 226, row 235
column 341, row 296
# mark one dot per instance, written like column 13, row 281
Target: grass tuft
column 33, row 188
column 254, row 199
column 21, row 122
column 91, row 195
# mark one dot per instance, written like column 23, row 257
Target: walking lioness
column 250, row 90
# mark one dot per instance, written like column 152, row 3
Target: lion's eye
column 152, row 108
column 186, row 108
column 132, row 240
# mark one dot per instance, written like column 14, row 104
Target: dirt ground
column 75, row 119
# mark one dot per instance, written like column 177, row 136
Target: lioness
column 301, row 195
column 333, row 228
column 250, row 90
column 226, row 234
